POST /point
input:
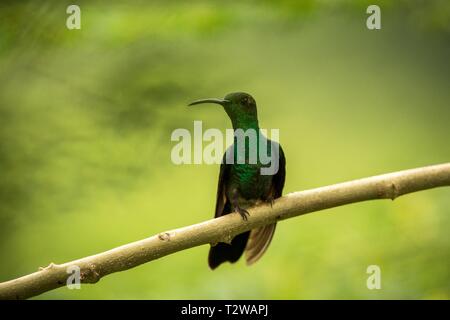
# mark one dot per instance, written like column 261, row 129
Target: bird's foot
column 244, row 213
column 270, row 201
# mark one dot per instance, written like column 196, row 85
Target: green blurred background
column 86, row 117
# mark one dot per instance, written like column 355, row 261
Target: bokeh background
column 86, row 117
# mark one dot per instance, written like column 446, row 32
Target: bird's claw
column 270, row 201
column 244, row 213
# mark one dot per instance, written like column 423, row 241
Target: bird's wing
column 222, row 252
column 221, row 199
column 279, row 178
column 260, row 238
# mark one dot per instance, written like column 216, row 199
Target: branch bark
column 223, row 229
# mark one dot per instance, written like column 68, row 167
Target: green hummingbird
column 242, row 183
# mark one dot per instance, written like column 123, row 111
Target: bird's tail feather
column 258, row 243
column 222, row 252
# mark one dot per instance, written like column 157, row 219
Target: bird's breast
column 249, row 182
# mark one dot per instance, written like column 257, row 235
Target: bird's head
column 240, row 107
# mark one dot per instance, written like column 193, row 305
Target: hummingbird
column 242, row 184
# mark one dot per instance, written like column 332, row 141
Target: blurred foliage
column 86, row 117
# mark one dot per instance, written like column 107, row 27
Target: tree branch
column 223, row 229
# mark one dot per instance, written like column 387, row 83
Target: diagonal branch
column 223, row 229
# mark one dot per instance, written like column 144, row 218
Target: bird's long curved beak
column 211, row 100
